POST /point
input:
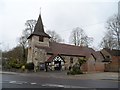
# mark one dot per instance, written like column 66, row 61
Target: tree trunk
column 24, row 54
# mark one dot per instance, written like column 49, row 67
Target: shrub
column 12, row 64
column 6, row 66
column 29, row 66
column 68, row 72
column 72, row 72
column 15, row 65
column 18, row 66
column 75, row 70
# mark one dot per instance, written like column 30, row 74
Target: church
column 58, row 56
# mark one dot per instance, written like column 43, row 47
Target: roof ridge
column 68, row 44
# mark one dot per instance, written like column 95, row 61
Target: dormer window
column 40, row 38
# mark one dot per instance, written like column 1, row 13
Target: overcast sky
column 59, row 15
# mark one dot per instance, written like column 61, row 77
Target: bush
column 18, row 66
column 6, row 66
column 12, row 63
column 75, row 70
column 72, row 73
column 15, row 65
column 29, row 66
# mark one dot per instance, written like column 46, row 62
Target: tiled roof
column 113, row 52
column 68, row 50
column 99, row 56
column 51, row 58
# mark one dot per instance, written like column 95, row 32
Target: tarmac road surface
column 36, row 81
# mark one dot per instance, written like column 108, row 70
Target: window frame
column 41, row 39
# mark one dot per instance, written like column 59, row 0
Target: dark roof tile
column 68, row 50
column 39, row 29
column 113, row 52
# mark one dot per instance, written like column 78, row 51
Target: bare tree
column 113, row 25
column 87, row 41
column 108, row 41
column 23, row 43
column 78, row 37
column 111, row 40
column 30, row 24
column 54, row 36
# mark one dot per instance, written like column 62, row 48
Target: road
column 31, row 81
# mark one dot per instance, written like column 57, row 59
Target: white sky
column 59, row 15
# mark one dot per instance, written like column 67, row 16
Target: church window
column 107, row 56
column 41, row 38
column 71, row 60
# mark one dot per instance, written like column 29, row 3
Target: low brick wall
column 99, row 66
column 114, row 65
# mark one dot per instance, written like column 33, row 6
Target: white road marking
column 68, row 86
column 53, row 85
column 63, row 86
column 17, row 82
column 12, row 82
column 33, row 83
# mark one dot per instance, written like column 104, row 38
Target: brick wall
column 114, row 65
column 99, row 66
column 92, row 66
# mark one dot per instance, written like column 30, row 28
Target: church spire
column 39, row 26
column 39, row 29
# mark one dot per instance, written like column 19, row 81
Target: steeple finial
column 39, row 28
column 40, row 11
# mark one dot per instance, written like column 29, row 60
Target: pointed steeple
column 39, row 29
